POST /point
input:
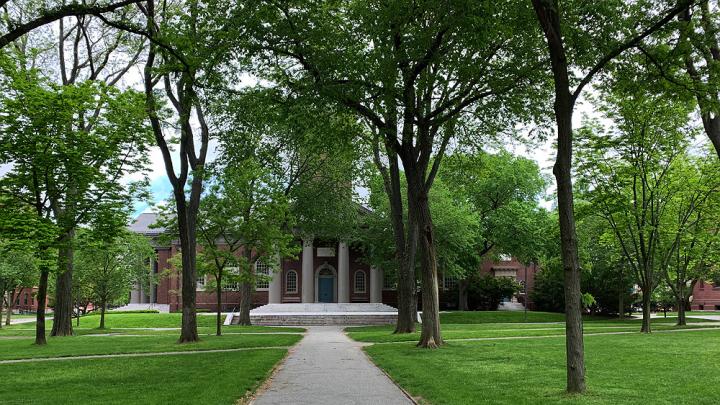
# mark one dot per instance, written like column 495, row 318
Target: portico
column 329, row 273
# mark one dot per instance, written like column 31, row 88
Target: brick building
column 325, row 271
column 705, row 297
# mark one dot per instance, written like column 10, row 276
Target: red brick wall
column 706, row 296
column 207, row 300
column 26, row 300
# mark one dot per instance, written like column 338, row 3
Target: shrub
column 485, row 292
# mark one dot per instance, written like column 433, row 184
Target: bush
column 485, row 291
column 549, row 292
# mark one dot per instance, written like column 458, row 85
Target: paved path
column 327, row 367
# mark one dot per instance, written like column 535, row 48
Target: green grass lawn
column 383, row 334
column 126, row 323
column 690, row 313
column 466, row 317
column 83, row 345
column 497, row 324
column 628, row 368
column 210, row 378
column 660, row 368
column 198, row 378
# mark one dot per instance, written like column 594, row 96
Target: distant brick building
column 325, row 271
column 25, row 299
column 506, row 266
column 705, row 297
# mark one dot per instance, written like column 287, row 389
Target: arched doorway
column 326, row 284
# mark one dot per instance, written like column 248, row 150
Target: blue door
column 325, row 289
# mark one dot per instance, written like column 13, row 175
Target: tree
column 638, row 175
column 18, row 268
column 504, row 190
column 689, row 243
column 67, row 170
column 279, row 152
column 573, row 47
column 110, row 268
column 488, row 291
column 14, row 27
column 185, row 54
column 682, row 63
column 409, row 88
column 456, row 223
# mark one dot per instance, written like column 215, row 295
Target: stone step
column 326, row 319
column 308, row 308
column 162, row 308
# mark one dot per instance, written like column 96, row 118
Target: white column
column 376, row 284
column 135, row 295
column 275, row 290
column 143, row 296
column 308, row 272
column 343, row 272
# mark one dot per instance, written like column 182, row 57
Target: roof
column 142, row 224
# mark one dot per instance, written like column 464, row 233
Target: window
column 389, row 281
column 360, row 281
column 25, row 301
column 291, row 282
column 230, row 281
column 449, row 282
column 262, row 275
column 200, row 283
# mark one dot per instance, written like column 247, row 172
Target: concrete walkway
column 327, row 367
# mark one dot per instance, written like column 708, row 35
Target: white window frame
column 391, row 285
column 364, row 282
column 287, row 283
column 200, row 285
column 231, row 286
column 453, row 281
column 257, row 279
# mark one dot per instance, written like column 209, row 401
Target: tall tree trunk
column 218, row 292
column 405, row 238
column 188, row 330
column 11, row 299
column 647, row 296
column 463, row 296
column 681, row 321
column 245, row 302
column 103, row 305
column 407, row 288
column 2, row 300
column 41, row 298
column 62, row 318
column 430, row 336
column 549, row 18
column 621, row 297
column 714, row 134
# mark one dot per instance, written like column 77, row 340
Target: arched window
column 360, row 281
column 291, row 282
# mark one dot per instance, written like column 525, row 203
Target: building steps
column 511, row 306
column 162, row 308
column 321, row 314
